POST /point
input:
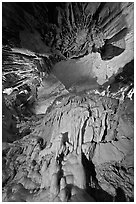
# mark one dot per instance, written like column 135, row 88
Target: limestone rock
column 82, row 146
column 101, row 38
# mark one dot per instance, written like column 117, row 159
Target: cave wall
column 99, row 33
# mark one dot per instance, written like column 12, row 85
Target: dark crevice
column 120, row 195
column 106, row 128
column 98, row 193
column 80, row 56
column 120, row 35
column 83, row 129
column 89, row 169
column 96, row 14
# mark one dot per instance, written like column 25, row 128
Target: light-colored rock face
column 51, row 88
column 79, row 127
column 76, row 74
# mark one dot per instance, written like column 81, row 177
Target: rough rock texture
column 51, row 88
column 99, row 127
column 102, row 33
column 68, row 105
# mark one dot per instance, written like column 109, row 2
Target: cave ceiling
column 80, row 43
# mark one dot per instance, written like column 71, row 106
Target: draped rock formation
column 68, row 101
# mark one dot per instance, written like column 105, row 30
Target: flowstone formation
column 84, row 141
column 68, row 102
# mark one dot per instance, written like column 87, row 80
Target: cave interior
column 68, row 101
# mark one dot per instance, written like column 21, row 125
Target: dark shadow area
column 127, row 73
column 100, row 195
column 125, row 77
column 65, row 138
column 89, row 169
column 9, row 123
column 96, row 14
column 118, row 36
column 108, row 51
column 97, row 192
column 120, row 195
